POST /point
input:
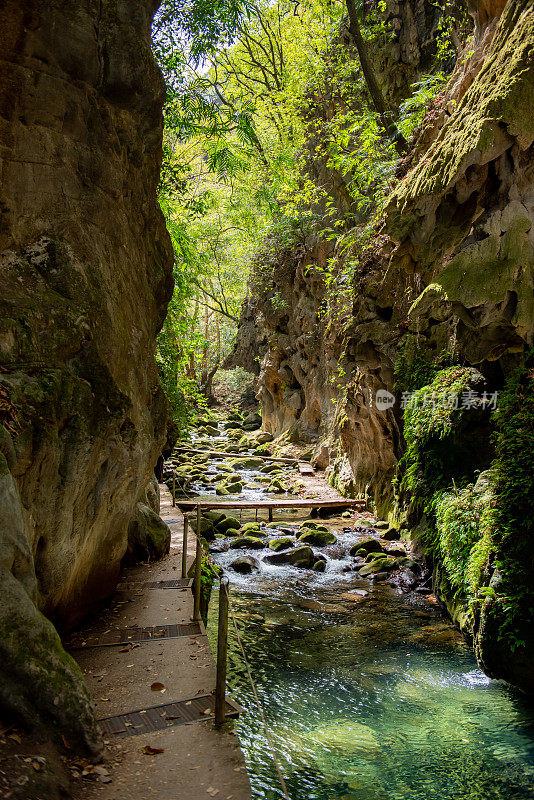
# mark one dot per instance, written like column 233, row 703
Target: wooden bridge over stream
column 270, row 505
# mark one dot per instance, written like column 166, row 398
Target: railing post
column 222, row 647
column 184, row 548
column 198, row 571
column 173, row 487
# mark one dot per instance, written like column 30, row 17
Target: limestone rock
column 149, row 537
column 86, row 276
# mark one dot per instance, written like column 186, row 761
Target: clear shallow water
column 376, row 700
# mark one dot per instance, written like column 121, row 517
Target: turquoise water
column 378, row 699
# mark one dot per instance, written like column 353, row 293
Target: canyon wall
column 86, row 277
column 445, row 278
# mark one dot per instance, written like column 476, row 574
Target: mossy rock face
column 366, row 546
column 228, row 522
column 247, row 542
column 317, row 538
column 281, row 544
column 41, row 685
column 149, row 538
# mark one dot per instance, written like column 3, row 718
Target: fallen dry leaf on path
column 152, row 751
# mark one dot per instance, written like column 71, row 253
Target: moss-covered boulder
column 248, row 462
column 312, row 525
column 283, row 543
column 233, row 487
column 366, row 546
column 380, row 564
column 228, row 522
column 247, row 542
column 317, row 537
column 251, row 527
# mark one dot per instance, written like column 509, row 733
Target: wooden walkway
column 219, row 454
column 270, row 505
column 151, row 672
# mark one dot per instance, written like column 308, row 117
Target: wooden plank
column 270, row 504
column 305, row 468
column 218, row 454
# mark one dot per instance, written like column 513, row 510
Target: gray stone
column 149, row 537
column 245, row 565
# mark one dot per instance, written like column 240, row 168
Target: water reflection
column 371, row 702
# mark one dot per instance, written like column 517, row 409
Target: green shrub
column 458, row 525
column 433, row 430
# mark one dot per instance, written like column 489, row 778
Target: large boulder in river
column 302, row 557
column 247, row 462
column 250, row 542
column 380, row 564
column 227, row 522
column 366, row 546
column 245, row 565
column 317, row 538
column 283, row 543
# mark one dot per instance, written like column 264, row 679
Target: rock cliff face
column 86, row 276
column 447, row 278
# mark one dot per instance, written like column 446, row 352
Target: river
column 369, row 692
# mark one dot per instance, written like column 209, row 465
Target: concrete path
column 198, row 761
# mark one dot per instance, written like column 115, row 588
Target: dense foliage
column 271, row 127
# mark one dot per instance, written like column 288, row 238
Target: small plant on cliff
column 417, row 366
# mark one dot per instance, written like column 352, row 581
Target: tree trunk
column 377, row 97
